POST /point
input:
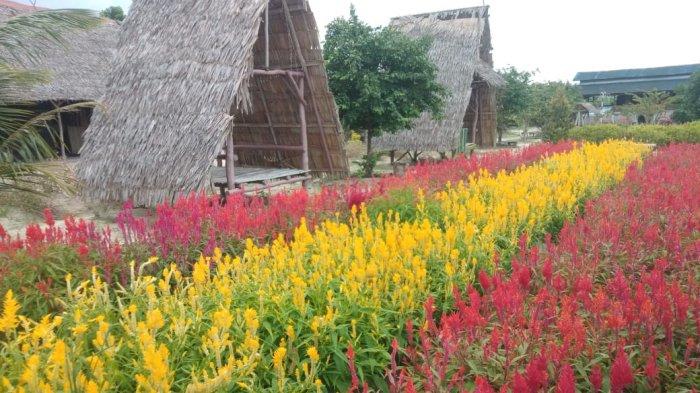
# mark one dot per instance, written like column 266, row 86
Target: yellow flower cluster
column 279, row 315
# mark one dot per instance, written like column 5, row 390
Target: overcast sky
column 558, row 37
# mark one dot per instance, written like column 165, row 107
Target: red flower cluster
column 614, row 303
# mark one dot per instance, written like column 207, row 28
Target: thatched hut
column 461, row 50
column 194, row 78
column 76, row 71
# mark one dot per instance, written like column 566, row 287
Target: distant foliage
column 525, row 103
column 688, row 101
column 514, row 100
column 114, row 12
column 657, row 134
column 542, row 95
column 649, row 105
column 558, row 116
column 382, row 79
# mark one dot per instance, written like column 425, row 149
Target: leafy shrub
column 367, row 165
column 657, row 134
column 38, row 279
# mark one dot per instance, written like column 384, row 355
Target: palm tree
column 23, row 150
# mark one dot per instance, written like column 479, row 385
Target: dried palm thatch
column 182, row 80
column 461, row 50
column 76, row 67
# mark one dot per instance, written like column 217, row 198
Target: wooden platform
column 259, row 178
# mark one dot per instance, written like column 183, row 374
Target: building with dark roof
column 625, row 83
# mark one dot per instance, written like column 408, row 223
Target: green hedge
column 658, row 134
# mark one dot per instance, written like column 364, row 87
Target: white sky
column 558, row 37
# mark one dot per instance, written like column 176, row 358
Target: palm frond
column 47, row 26
column 23, row 147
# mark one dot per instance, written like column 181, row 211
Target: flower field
column 280, row 315
column 614, row 304
column 196, row 224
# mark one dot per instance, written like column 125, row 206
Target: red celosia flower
column 596, row 378
column 621, row 373
column 484, row 281
column 536, row 372
column 566, row 382
column 48, row 217
column 651, row 369
column 3, row 234
column 520, row 383
column 483, row 385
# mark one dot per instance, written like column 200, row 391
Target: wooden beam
column 270, row 185
column 277, row 125
column 267, row 36
column 269, row 147
column 298, row 88
column 277, row 73
column 263, row 98
column 476, row 115
column 59, row 120
column 312, row 89
column 304, row 133
column 230, row 162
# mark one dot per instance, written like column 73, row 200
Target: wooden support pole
column 304, row 131
column 305, row 68
column 299, row 91
column 230, row 163
column 267, row 36
column 476, row 115
column 61, row 138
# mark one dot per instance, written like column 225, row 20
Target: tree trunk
column 369, row 142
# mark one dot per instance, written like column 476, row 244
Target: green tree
column 558, row 117
column 648, row 105
column 22, row 146
column 687, row 101
column 114, row 12
column 514, row 99
column 382, row 79
column 542, row 94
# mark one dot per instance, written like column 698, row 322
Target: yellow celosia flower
column 200, row 273
column 155, row 361
column 154, row 320
column 278, row 358
column 313, row 354
column 251, row 319
column 223, row 319
column 9, row 320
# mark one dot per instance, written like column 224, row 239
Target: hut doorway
column 284, row 134
column 480, row 119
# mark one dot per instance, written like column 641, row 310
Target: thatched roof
column 461, row 51
column 76, row 68
column 181, row 78
column 10, row 8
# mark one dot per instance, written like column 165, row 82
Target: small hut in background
column 461, row 50
column 193, row 79
column 76, row 71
